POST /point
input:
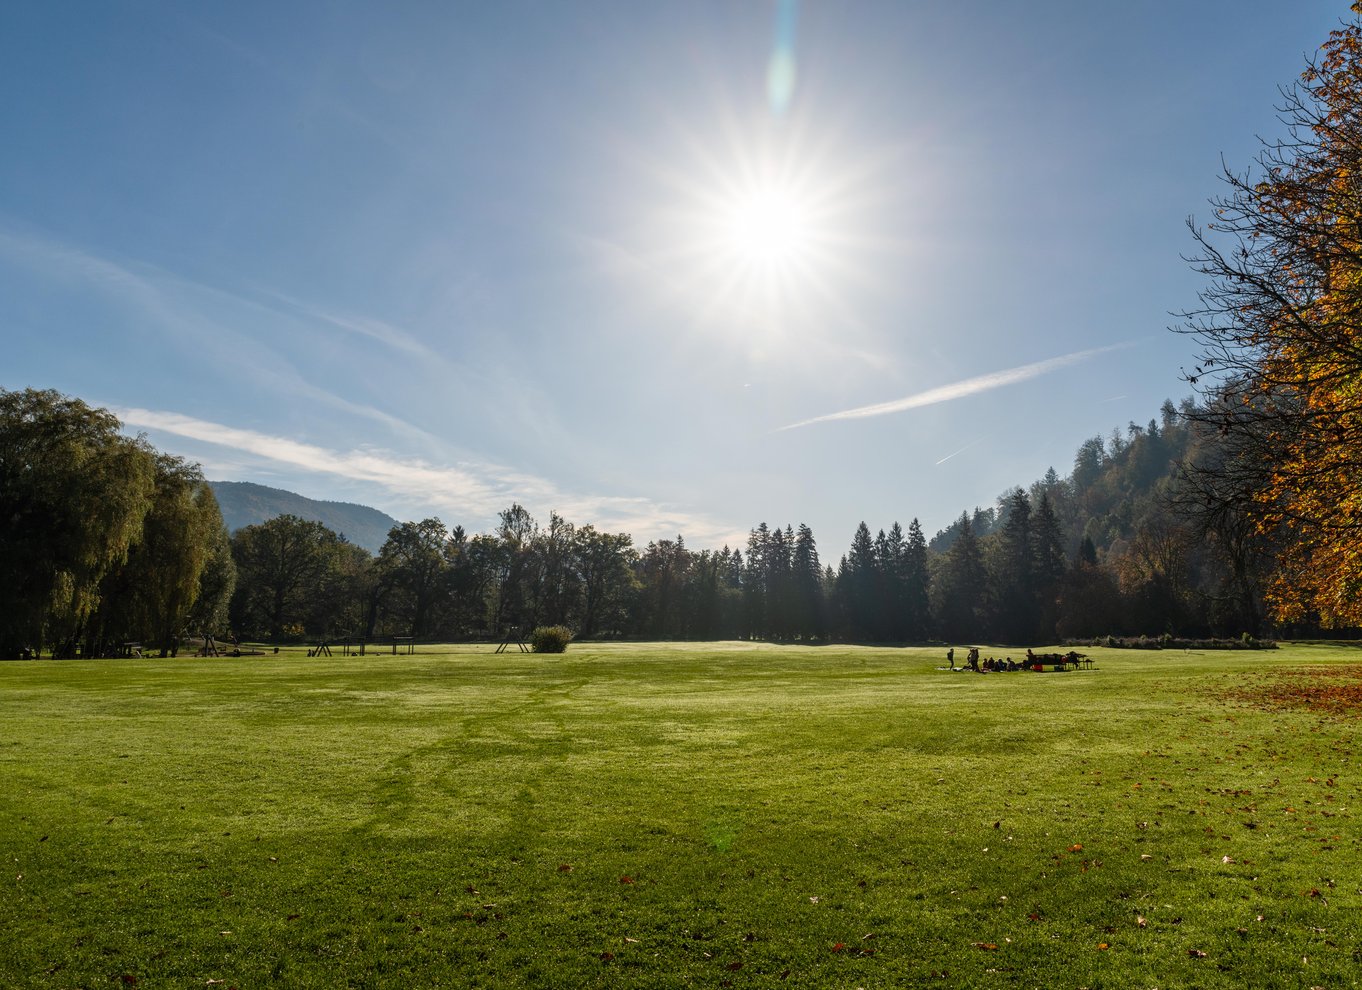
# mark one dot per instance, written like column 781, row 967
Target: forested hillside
column 245, row 504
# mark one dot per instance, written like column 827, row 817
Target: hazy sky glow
column 665, row 268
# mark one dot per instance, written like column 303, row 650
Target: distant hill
column 245, row 504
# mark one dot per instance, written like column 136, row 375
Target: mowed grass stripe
column 663, row 815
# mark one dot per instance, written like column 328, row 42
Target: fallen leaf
column 813, row 900
column 626, row 879
column 987, row 946
column 1196, row 954
column 1145, row 857
column 734, row 966
column 1141, row 921
column 839, row 947
column 1077, row 847
column 607, row 956
column 628, row 939
column 564, row 867
column 1103, row 946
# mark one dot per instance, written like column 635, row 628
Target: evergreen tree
column 858, row 584
column 916, row 584
column 1013, row 575
column 1047, row 539
column 960, row 587
column 754, row 597
column 807, row 587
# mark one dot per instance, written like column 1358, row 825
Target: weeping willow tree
column 74, row 493
column 103, row 540
column 152, row 596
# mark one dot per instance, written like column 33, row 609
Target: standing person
column 950, row 657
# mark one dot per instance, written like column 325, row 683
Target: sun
column 761, row 232
column 769, row 227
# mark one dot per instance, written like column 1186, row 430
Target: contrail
column 961, row 389
column 972, row 443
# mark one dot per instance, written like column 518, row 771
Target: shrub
column 550, row 639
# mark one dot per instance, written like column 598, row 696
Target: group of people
column 1033, row 661
column 984, row 666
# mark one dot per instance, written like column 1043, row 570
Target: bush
column 550, row 639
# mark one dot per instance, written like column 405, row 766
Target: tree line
column 106, row 541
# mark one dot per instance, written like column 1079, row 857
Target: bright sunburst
column 768, row 227
column 762, row 232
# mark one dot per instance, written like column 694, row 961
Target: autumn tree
column 1280, row 326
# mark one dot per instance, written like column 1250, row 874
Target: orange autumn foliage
column 1282, row 327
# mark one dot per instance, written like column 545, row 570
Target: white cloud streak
column 469, row 488
column 972, row 443
column 961, row 389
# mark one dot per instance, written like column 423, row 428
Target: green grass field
column 666, row 815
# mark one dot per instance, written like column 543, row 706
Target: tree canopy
column 1281, row 329
column 103, row 539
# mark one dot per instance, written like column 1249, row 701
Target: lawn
column 665, row 815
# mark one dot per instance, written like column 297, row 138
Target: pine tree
column 916, row 584
column 1014, row 572
column 807, row 581
column 960, row 587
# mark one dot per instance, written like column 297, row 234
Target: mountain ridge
column 245, row 503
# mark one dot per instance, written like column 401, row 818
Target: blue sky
column 663, row 267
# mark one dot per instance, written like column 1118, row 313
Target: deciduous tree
column 74, row 493
column 1281, row 329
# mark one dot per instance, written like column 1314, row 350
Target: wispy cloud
column 961, row 389
column 469, row 488
column 207, row 320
